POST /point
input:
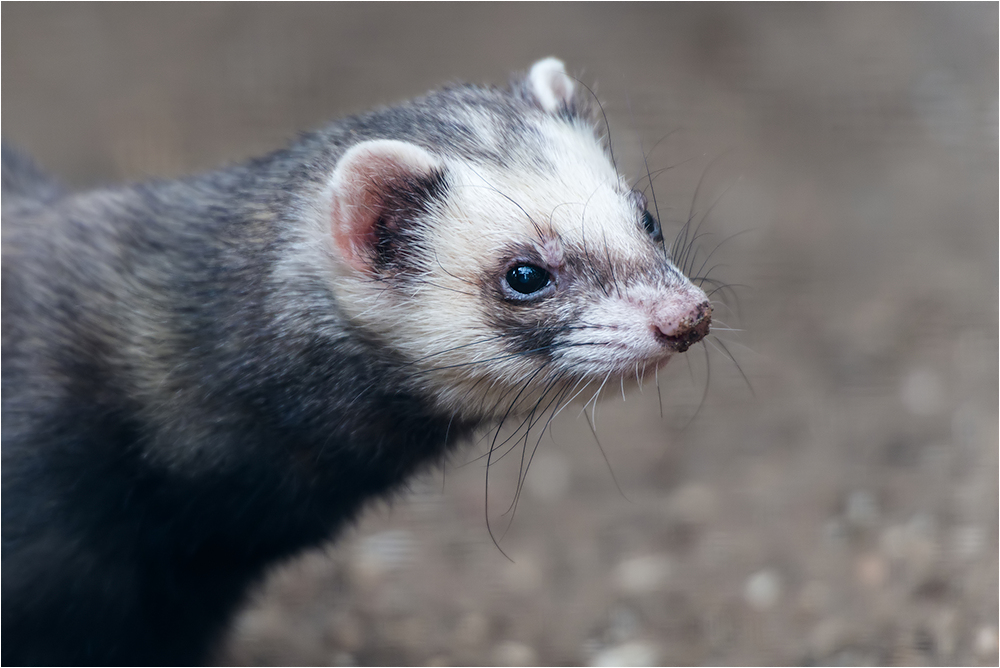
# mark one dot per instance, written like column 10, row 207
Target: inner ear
column 550, row 84
column 377, row 187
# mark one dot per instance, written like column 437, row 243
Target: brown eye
column 652, row 226
column 526, row 279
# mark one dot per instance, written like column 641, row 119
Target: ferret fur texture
column 205, row 376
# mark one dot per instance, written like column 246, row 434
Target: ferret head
column 485, row 236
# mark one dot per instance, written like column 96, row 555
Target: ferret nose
column 680, row 333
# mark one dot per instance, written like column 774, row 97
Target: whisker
column 486, row 504
column 571, row 399
column 606, row 124
column 719, row 245
column 704, row 394
column 508, row 198
column 719, row 342
column 593, row 399
column 524, row 466
column 531, row 458
column 454, row 348
column 645, row 164
column 607, row 461
column 659, row 395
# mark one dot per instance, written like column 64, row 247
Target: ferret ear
column 550, row 84
column 376, row 188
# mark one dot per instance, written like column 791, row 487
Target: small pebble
column 912, row 543
column 379, row 553
column 762, row 589
column 641, row 575
column 635, row 653
column 871, row 570
column 986, row 643
column 693, row 503
column 512, row 653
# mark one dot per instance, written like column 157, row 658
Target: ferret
column 205, row 376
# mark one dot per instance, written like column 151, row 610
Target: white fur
column 441, row 324
column 627, row 325
column 550, row 83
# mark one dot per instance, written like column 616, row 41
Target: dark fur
column 177, row 417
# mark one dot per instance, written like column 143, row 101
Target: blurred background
column 830, row 498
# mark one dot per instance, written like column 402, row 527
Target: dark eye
column 527, row 278
column 652, row 226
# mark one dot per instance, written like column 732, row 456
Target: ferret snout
column 680, row 333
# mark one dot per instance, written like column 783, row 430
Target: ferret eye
column 652, row 226
column 527, row 278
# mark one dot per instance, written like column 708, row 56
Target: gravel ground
column 830, row 498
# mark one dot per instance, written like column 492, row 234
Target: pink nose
column 680, row 333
